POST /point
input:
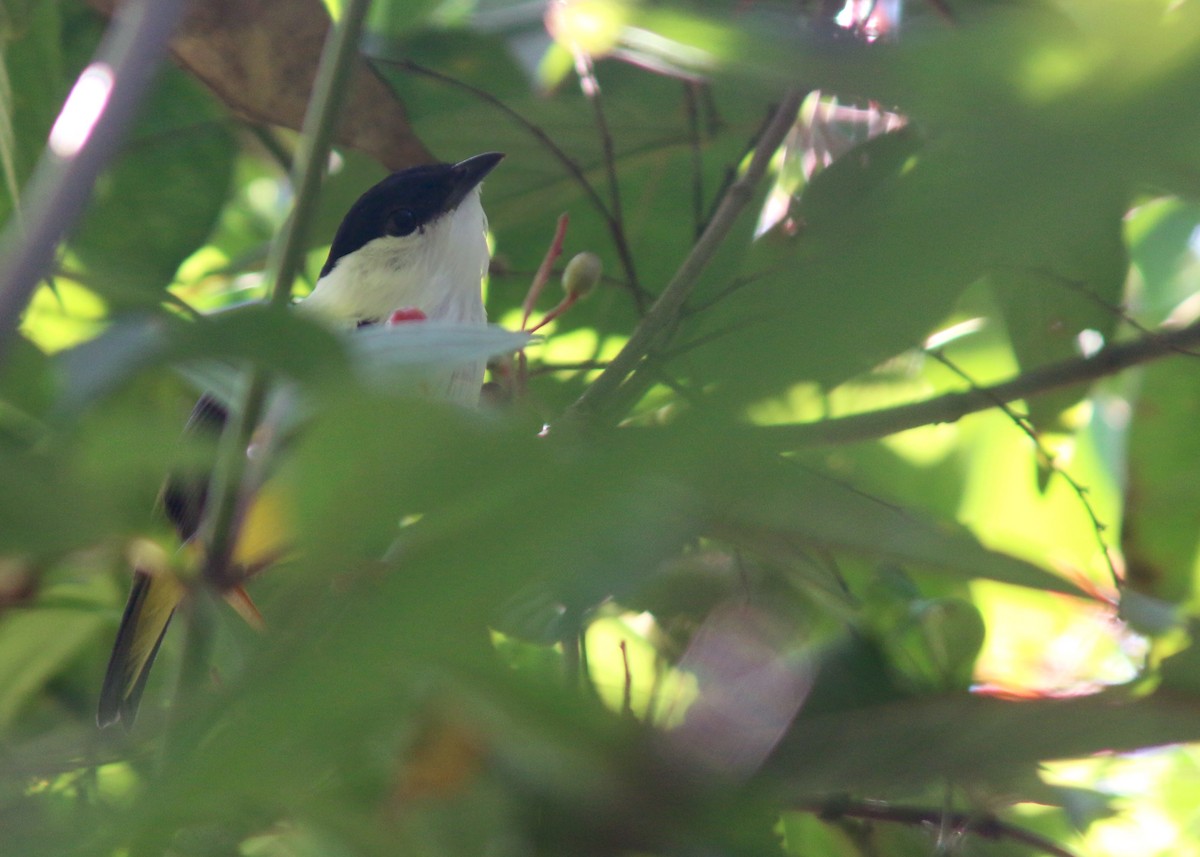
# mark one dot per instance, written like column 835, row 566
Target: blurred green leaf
column 872, row 273
column 1048, row 304
column 26, row 387
column 280, row 341
column 393, row 18
column 1160, row 234
column 35, row 645
column 429, row 343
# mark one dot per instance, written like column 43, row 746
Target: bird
column 413, row 246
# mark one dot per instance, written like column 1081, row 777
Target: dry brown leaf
column 260, row 58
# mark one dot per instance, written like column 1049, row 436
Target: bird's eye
column 400, row 222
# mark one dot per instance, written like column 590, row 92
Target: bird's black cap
column 408, row 201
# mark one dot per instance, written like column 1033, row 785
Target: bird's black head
column 407, row 202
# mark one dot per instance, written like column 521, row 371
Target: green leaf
column 873, row 272
column 391, row 19
column 275, row 338
column 30, row 658
column 1047, row 303
column 26, row 387
column 1159, row 235
column 430, row 343
column 1181, row 671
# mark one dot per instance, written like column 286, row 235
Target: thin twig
column 952, row 407
column 616, row 232
column 734, row 285
column 1046, row 460
column 661, row 319
column 544, row 270
column 591, row 91
column 652, row 371
column 987, row 826
column 715, row 123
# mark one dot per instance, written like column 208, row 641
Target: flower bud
column 582, row 274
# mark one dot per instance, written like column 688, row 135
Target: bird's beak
column 466, row 176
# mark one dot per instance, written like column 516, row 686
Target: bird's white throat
column 438, row 270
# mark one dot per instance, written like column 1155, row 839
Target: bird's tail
column 264, row 538
column 152, row 601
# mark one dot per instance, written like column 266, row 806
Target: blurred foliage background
column 713, row 608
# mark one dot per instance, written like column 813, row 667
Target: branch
column 662, row 317
column 987, row 826
column 953, row 406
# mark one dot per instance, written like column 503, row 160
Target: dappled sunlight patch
column 63, row 317
column 1152, row 797
column 571, row 350
column 117, row 782
column 1055, row 70
column 924, row 446
column 1042, row 645
column 206, row 262
column 1003, row 504
column 629, row 674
